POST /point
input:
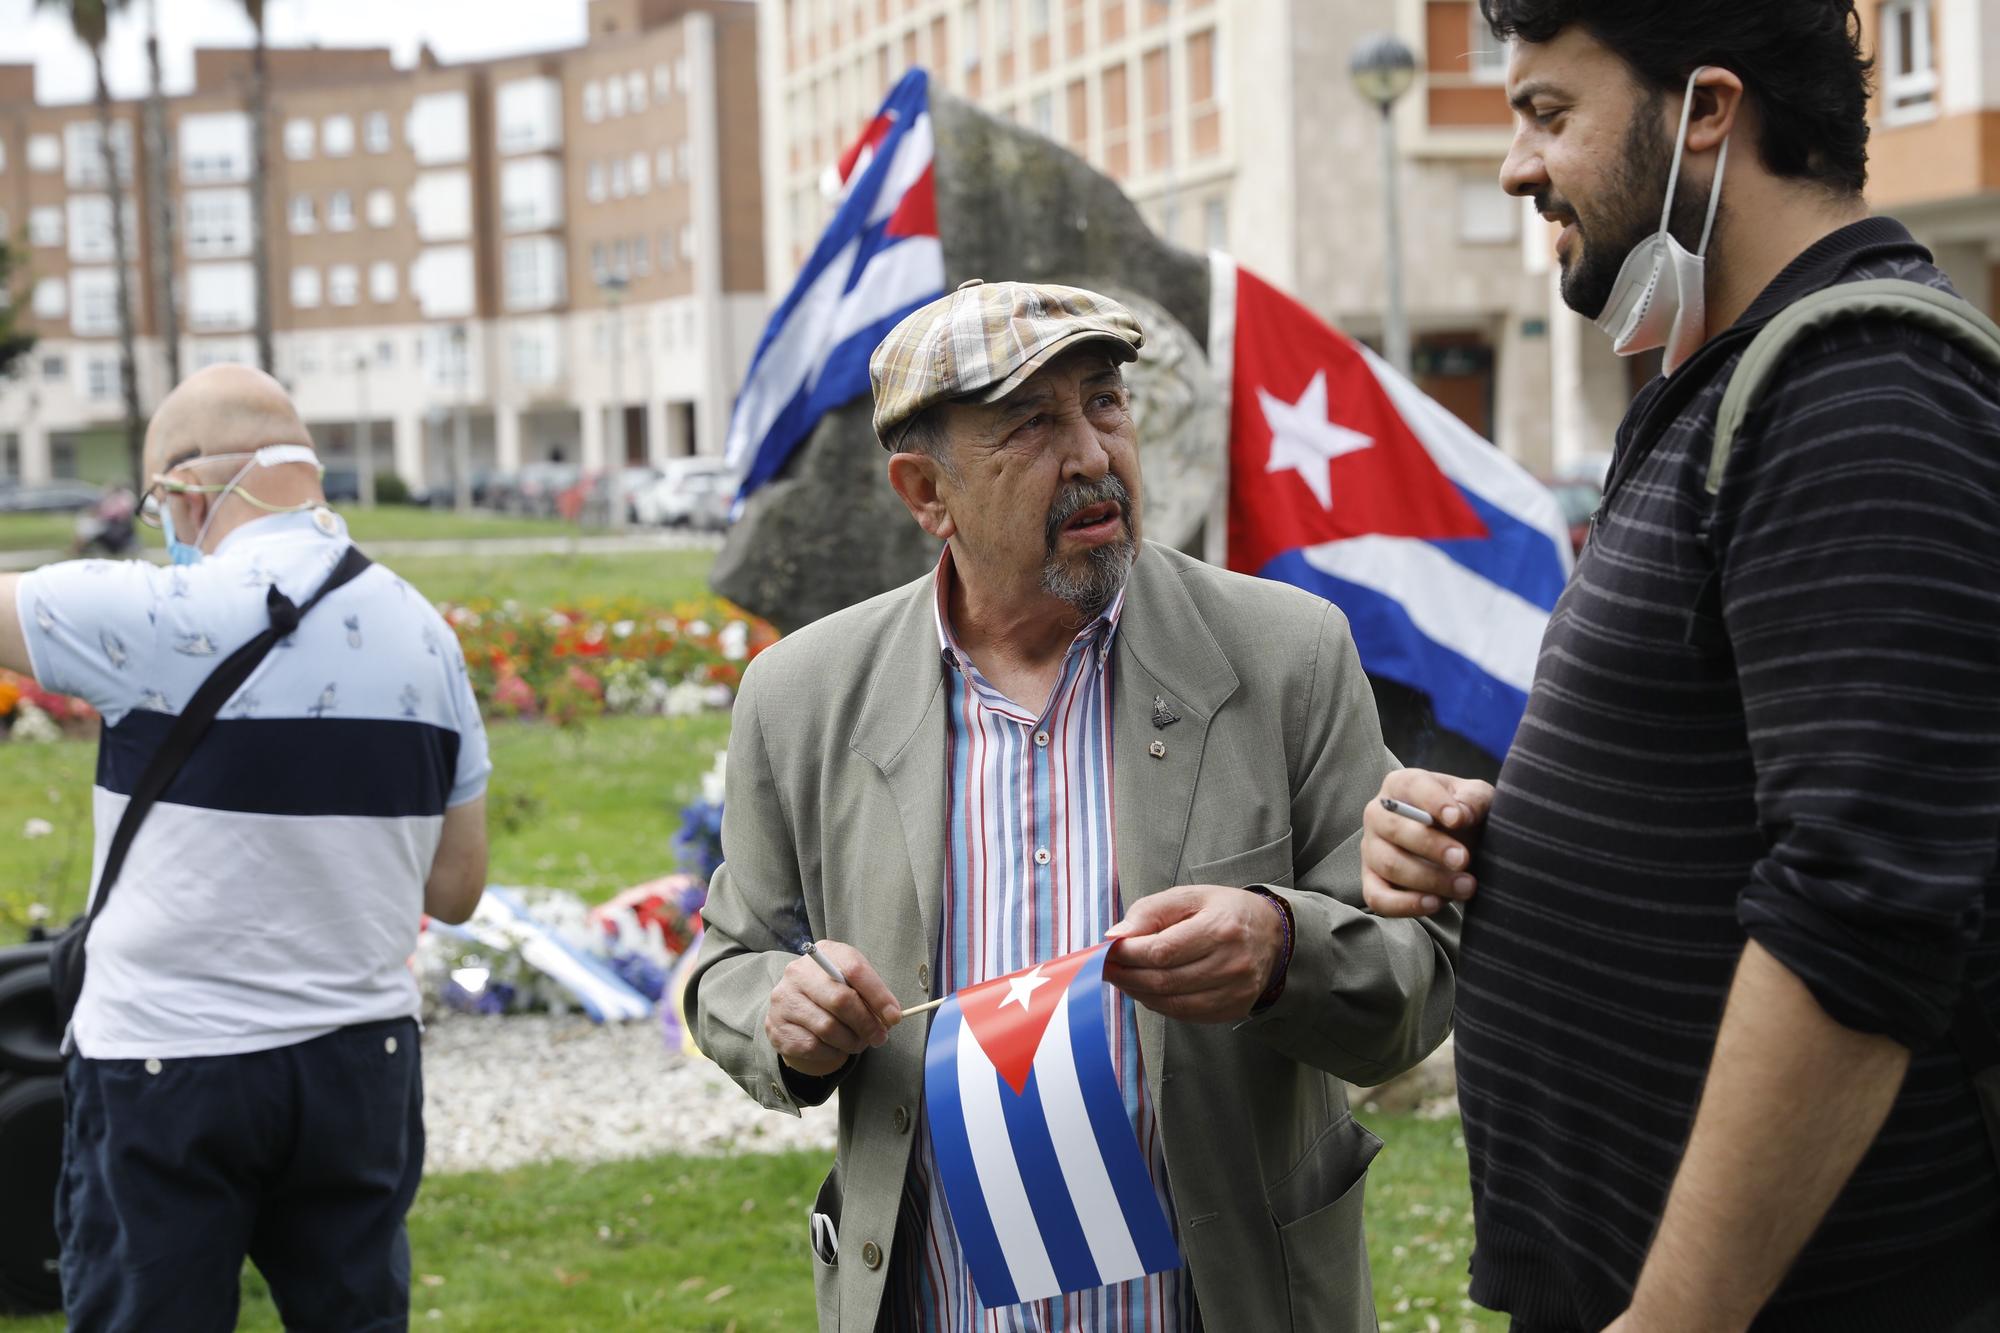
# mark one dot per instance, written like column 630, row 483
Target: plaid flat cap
column 983, row 341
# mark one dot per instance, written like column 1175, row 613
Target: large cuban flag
column 1347, row 480
column 878, row 260
column 1047, row 1187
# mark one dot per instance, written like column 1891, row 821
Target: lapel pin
column 1158, row 749
column 1163, row 713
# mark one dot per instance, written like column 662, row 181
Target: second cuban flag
column 1047, row 1187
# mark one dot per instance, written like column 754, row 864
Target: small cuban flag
column 1047, row 1187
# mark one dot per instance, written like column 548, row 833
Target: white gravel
column 505, row 1092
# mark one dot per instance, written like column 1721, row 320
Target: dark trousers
column 304, row 1158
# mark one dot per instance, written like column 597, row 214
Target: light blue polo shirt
column 274, row 892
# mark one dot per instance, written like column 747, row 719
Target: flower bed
column 558, row 664
column 30, row 713
column 624, row 657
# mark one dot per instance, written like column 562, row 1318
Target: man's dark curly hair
column 1800, row 62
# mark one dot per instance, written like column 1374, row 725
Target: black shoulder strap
column 195, row 719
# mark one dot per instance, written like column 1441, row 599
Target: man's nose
column 1522, row 174
column 1085, row 453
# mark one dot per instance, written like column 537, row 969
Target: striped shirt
column 1774, row 716
column 1030, row 875
column 273, row 894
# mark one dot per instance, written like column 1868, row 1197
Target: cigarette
column 1407, row 811
column 828, row 966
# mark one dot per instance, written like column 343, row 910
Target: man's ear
column 916, row 478
column 1718, row 105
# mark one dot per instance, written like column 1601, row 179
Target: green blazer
column 835, row 829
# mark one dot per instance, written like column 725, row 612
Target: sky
column 456, row 29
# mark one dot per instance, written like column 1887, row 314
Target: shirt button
column 153, row 1065
column 924, row 976
column 1041, row 856
column 902, row 1119
column 778, row 1091
column 871, row 1254
column 390, row 1045
column 1042, row 738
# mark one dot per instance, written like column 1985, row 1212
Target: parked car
column 589, row 501
column 712, row 497
column 673, row 500
column 48, row 497
column 342, row 485
column 537, row 487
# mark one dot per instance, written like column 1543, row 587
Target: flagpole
column 1222, row 363
column 925, row 1007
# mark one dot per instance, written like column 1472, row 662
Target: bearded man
column 1732, row 951
column 1064, row 733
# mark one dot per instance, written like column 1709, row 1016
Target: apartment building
column 1234, row 125
column 542, row 255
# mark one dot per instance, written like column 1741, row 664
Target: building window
column 381, row 208
column 382, row 286
column 375, row 131
column 594, row 189
column 45, row 226
column 51, row 298
column 1486, row 54
column 635, row 92
column 614, row 97
column 687, row 242
column 218, row 223
column 534, row 273
column 621, row 182
column 336, row 136
column 305, row 288
column 298, row 139
column 663, row 83
column 301, row 215
column 598, row 271
column 215, row 148
column 100, row 379
column 54, row 369
column 1215, row 224
column 642, row 173
column 681, row 160
column 1910, row 79
column 1042, row 115
column 642, row 257
column 221, row 296
column 86, row 154
column 90, row 236
column 1487, row 216
column 593, row 102
column 44, row 152
column 340, row 211
column 93, row 303
column 1038, row 17
column 343, row 284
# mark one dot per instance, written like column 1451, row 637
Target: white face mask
column 1659, row 298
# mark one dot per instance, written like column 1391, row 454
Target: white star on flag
column 1304, row 440
column 1021, row 987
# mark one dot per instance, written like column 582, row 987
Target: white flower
column 667, row 624
column 557, row 620
column 735, row 640
column 718, row 697
column 685, row 699
column 698, row 628
column 37, row 828
column 32, row 724
column 623, row 629
column 38, row 911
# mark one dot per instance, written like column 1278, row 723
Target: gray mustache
column 1081, row 496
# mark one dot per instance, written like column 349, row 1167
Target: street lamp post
column 461, row 435
column 1383, row 69
column 614, row 287
column 364, row 435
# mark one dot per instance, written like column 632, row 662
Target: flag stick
column 925, row 1007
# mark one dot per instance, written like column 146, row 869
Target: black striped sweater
column 1789, row 732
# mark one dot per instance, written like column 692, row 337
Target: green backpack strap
column 1892, row 298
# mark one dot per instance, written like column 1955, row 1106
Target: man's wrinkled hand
column 816, row 1024
column 1408, row 869
column 1201, row 953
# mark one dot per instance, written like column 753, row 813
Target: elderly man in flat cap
column 1062, row 733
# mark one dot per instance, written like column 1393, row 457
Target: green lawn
column 662, row 578
column 712, row 1244
column 36, row 532
column 592, row 808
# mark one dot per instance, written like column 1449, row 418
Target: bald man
column 242, row 1073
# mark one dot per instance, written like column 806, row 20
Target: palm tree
column 260, row 112
column 91, row 21
column 159, row 171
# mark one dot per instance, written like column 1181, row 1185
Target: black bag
column 66, row 955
